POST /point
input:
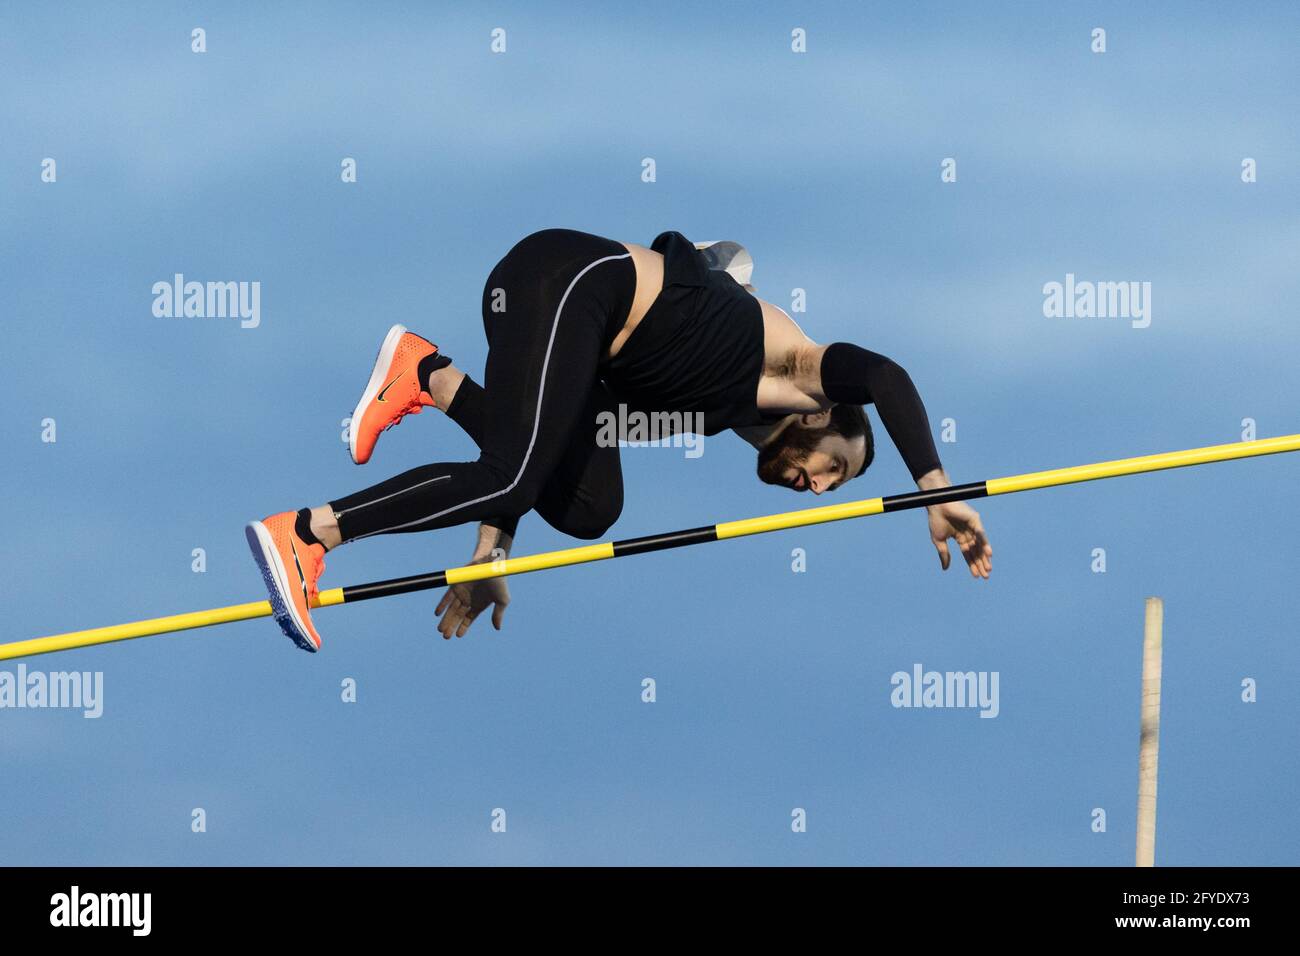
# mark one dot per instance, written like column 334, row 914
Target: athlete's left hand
column 462, row 603
column 961, row 522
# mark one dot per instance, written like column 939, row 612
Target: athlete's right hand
column 462, row 603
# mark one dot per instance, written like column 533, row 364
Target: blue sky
column 773, row 687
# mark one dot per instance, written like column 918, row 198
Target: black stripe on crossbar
column 922, row 499
column 377, row 589
column 659, row 542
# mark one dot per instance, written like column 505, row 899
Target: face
column 808, row 456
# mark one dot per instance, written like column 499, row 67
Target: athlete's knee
column 588, row 527
column 587, row 521
column 604, row 512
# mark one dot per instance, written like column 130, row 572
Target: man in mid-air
column 576, row 325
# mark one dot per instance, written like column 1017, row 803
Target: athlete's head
column 818, row 452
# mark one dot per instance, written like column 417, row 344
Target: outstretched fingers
column 975, row 548
column 963, row 526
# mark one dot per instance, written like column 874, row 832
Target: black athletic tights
column 550, row 309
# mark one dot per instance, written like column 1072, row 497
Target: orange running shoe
column 394, row 391
column 290, row 567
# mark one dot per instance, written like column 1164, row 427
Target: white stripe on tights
column 367, row 504
column 537, row 419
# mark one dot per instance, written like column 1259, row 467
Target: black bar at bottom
column 235, row 904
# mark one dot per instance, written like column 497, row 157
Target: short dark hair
column 850, row 421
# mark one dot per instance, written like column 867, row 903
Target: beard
column 790, row 450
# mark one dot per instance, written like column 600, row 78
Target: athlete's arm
column 801, row 376
column 462, row 603
column 851, row 374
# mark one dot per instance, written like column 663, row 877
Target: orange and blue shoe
column 290, row 567
column 394, row 390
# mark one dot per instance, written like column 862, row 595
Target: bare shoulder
column 791, row 364
column 781, row 334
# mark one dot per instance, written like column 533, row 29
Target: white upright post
column 1149, row 749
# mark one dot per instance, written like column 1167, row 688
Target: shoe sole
column 276, row 578
column 382, row 363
